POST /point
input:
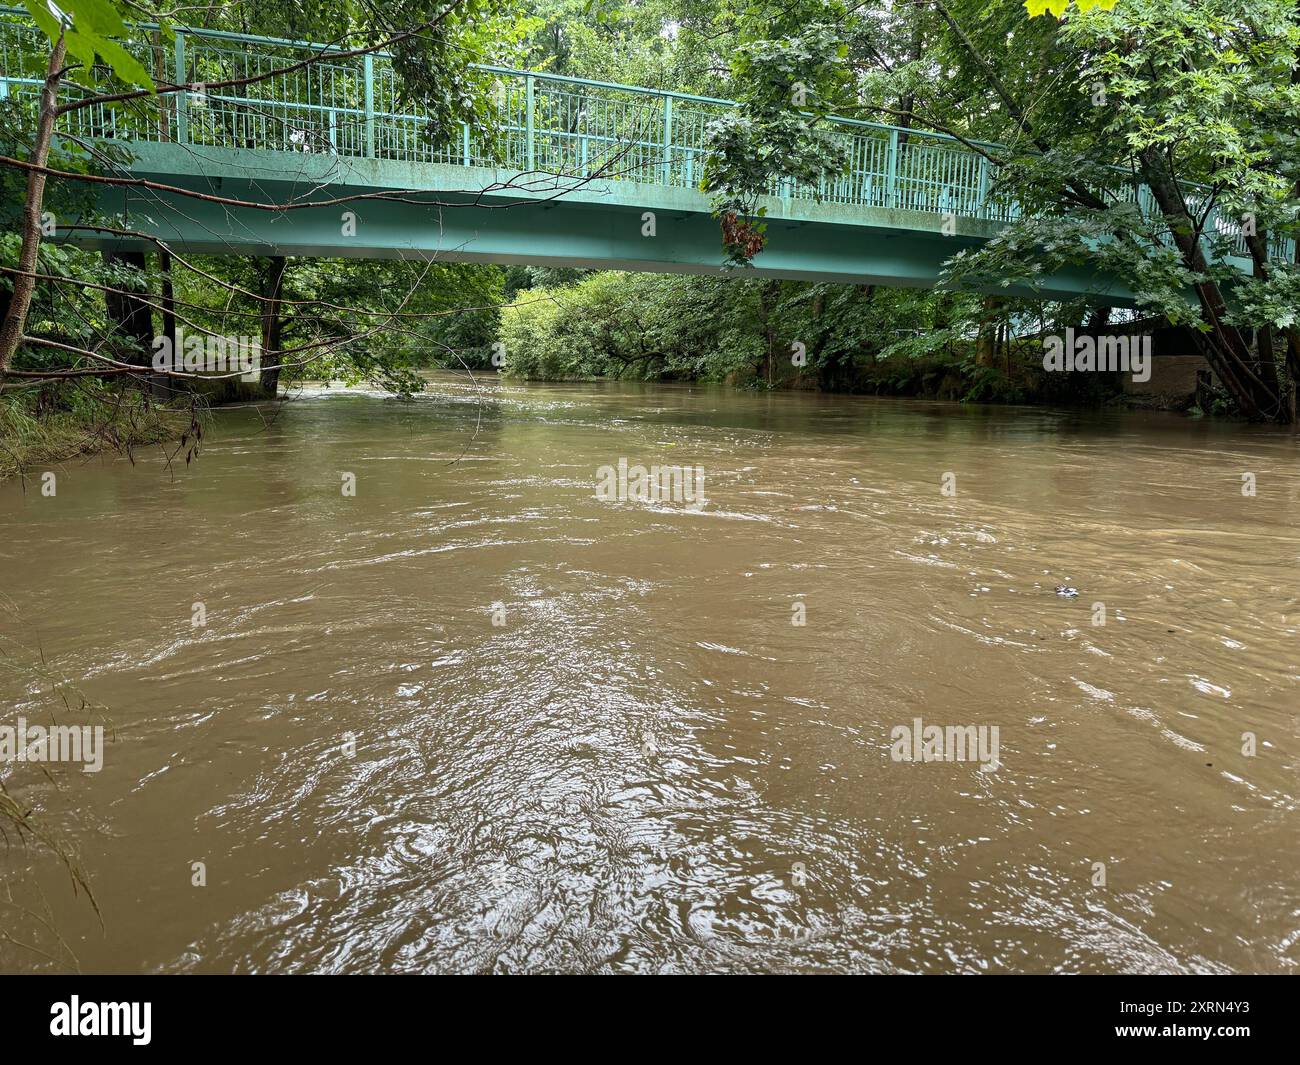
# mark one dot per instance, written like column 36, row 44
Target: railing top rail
column 327, row 49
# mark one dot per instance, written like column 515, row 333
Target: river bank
column 41, row 428
column 1176, row 383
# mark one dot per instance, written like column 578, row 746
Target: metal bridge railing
column 351, row 106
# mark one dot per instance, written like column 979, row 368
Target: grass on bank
column 57, row 422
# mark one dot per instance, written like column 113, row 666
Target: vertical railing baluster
column 891, row 169
column 464, row 142
column 182, row 95
column 369, row 67
column 529, row 147
column 667, row 165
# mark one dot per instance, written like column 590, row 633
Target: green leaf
column 98, row 17
column 124, row 64
column 90, row 26
column 41, row 15
column 81, row 47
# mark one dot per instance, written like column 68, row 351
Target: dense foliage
column 1196, row 103
column 751, row 332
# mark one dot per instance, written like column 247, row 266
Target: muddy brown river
column 475, row 718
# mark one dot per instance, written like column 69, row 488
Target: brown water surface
column 648, row 767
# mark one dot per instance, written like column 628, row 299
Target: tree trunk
column 1223, row 345
column 907, row 102
column 987, row 342
column 1267, row 363
column 272, row 324
column 168, row 298
column 132, row 315
column 766, row 290
column 15, row 319
column 1258, row 245
column 1099, row 320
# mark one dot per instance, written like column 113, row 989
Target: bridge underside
column 470, row 214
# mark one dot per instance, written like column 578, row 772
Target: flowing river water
column 474, row 718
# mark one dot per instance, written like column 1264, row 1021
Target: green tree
column 1194, row 102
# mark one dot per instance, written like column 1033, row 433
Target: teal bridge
column 564, row 178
